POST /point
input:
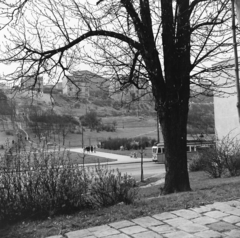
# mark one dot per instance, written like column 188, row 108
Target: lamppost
column 158, row 133
column 142, row 176
column 82, row 138
column 237, row 3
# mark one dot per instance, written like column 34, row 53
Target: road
column 119, row 158
column 131, row 166
column 134, row 169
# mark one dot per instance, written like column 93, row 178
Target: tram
column 193, row 146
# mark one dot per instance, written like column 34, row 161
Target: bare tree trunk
column 173, row 119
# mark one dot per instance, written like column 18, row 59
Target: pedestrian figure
column 94, row 148
column 91, row 148
column 87, row 149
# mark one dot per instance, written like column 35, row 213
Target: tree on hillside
column 65, row 123
column 91, row 120
column 42, row 125
column 162, row 44
column 48, row 124
column 7, row 106
column 7, row 109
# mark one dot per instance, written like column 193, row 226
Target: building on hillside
column 59, row 86
column 225, row 105
column 4, row 86
column 74, row 86
column 32, row 84
column 83, row 83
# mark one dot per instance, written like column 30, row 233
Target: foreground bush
column 46, row 185
column 229, row 152
column 196, row 164
column 109, row 188
column 212, row 163
column 221, row 159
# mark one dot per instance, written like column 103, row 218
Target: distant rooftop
column 84, row 74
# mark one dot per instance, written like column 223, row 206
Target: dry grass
column 204, row 191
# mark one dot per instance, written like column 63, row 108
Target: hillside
column 136, row 119
column 105, row 107
column 200, row 109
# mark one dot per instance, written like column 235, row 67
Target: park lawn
column 204, row 191
column 93, row 137
column 78, row 158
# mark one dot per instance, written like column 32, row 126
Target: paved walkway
column 119, row 158
column 221, row 219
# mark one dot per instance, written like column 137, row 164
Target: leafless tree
column 162, row 44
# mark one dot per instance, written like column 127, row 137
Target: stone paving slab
column 98, row 228
column 57, row 236
column 233, row 233
column 163, row 229
column 175, row 222
column 221, row 226
column 202, row 209
column 147, row 234
column 179, row 234
column 107, row 232
column 209, row 234
column 147, row 221
column 227, row 208
column 133, row 230
column 187, row 214
column 216, row 214
column 121, row 224
column 234, row 203
column 120, row 236
column 234, row 211
column 193, row 228
column 164, row 216
column 218, row 220
column 78, row 233
column 203, row 220
column 232, row 219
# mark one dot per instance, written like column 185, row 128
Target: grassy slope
column 204, row 191
column 128, row 124
column 4, row 138
column 92, row 137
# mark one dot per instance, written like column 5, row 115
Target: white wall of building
column 226, row 116
column 225, row 110
column 64, row 85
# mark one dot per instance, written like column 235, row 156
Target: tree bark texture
column 173, row 119
column 170, row 88
column 173, row 107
